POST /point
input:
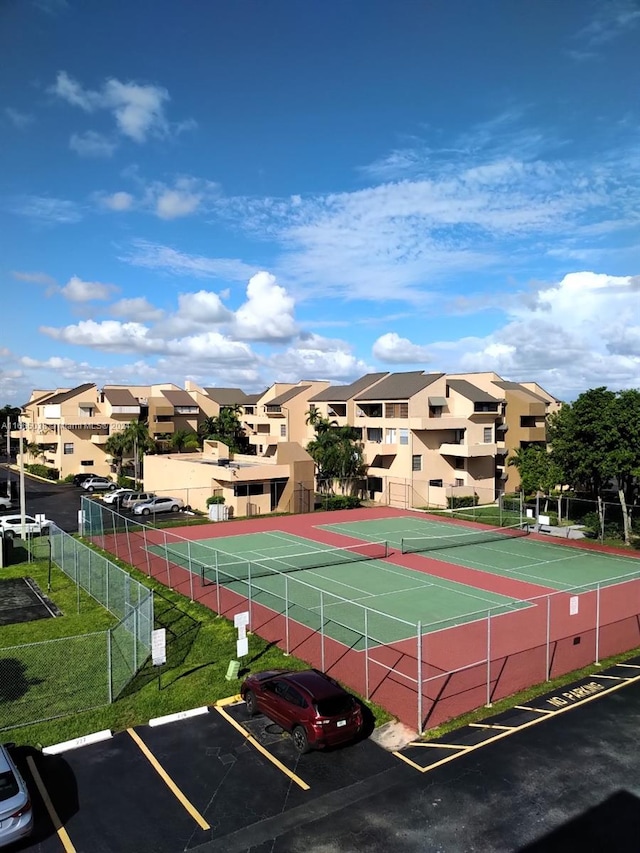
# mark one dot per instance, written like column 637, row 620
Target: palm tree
column 184, row 440
column 138, row 439
column 226, row 427
column 116, row 446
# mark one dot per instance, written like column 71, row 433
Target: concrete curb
column 179, row 715
column 85, row 740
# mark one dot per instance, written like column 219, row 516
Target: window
column 404, row 436
column 485, row 407
column 245, row 490
column 283, row 430
column 527, row 421
column 416, row 463
column 459, row 463
column 374, row 434
column 88, row 463
column 459, row 481
column 85, row 411
column 435, row 411
column 396, row 410
column 435, row 483
column 68, row 448
column 390, row 436
column 458, row 436
column 488, row 435
column 374, row 484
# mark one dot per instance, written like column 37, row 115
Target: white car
column 11, row 526
column 5, row 502
column 98, row 484
column 16, row 815
column 116, row 496
column 159, row 505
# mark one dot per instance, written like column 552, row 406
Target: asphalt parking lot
column 222, row 782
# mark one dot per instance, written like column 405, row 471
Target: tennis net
column 245, row 569
column 413, row 544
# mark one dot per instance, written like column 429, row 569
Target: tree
column 182, row 439
column 138, row 441
column 337, row 452
column 117, row 446
column 595, row 441
column 226, row 427
column 538, row 472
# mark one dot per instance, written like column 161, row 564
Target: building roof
column 120, row 397
column 38, row 400
column 68, row 395
column 287, row 395
column 515, row 386
column 179, row 397
column 342, row 393
column 227, row 396
column 399, row 386
column 471, row 392
column 252, row 399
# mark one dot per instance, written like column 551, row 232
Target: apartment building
column 280, row 414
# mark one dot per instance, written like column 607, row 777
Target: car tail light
column 23, row 810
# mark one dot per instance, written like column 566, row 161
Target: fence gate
column 399, row 494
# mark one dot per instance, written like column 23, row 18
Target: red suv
column 309, row 704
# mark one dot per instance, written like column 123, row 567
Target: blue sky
column 247, row 192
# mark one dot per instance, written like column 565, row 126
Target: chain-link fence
column 40, row 681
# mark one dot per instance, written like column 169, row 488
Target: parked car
column 79, row 479
column 5, row 502
column 16, row 815
column 132, row 500
column 159, row 505
column 311, row 705
column 11, row 526
column 117, row 496
column 98, row 484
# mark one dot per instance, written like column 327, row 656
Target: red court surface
column 444, row 673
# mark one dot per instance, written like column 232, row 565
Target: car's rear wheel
column 300, row 740
column 250, row 702
column 90, row 489
column 146, row 511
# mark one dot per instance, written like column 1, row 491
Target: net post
column 548, row 639
column 286, row 615
column 597, row 660
column 321, row 630
column 419, row 673
column 366, row 652
column 488, row 703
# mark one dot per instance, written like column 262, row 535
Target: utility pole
column 23, row 512
column 8, row 456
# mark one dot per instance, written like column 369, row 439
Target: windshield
column 8, row 786
column 334, row 706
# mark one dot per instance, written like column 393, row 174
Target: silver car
column 16, row 814
column 135, row 498
column 159, row 505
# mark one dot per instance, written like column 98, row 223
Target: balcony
column 160, row 427
column 99, row 438
column 533, row 434
column 468, row 451
column 443, row 422
column 274, row 412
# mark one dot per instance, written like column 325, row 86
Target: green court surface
column 550, row 564
column 347, row 600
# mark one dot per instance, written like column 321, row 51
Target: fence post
column 548, row 641
column 114, row 532
column 135, row 638
column 146, row 549
column 108, row 566
column 366, row 652
column 189, row 568
column 488, row 704
column 597, row 661
column 419, row 674
column 128, row 538
column 249, row 597
column 321, row 630
column 109, row 674
column 77, row 575
column 217, row 585
column 286, row 613
column 166, row 555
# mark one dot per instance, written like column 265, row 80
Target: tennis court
column 349, row 593
column 507, row 553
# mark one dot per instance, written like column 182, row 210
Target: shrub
column 215, row 499
column 457, row 502
column 42, row 471
column 340, row 502
column 68, row 478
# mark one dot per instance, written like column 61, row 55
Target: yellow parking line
column 53, row 814
column 440, row 745
column 195, row 814
column 261, row 749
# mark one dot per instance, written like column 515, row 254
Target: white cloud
column 53, row 363
column 391, row 348
column 314, row 357
column 137, row 308
column 35, row 278
column 203, row 307
column 171, row 204
column 119, row 201
column 108, row 335
column 92, row 144
column 138, row 109
column 48, row 210
column 18, row 119
column 158, row 257
column 267, row 315
column 611, row 20
column 77, row 290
